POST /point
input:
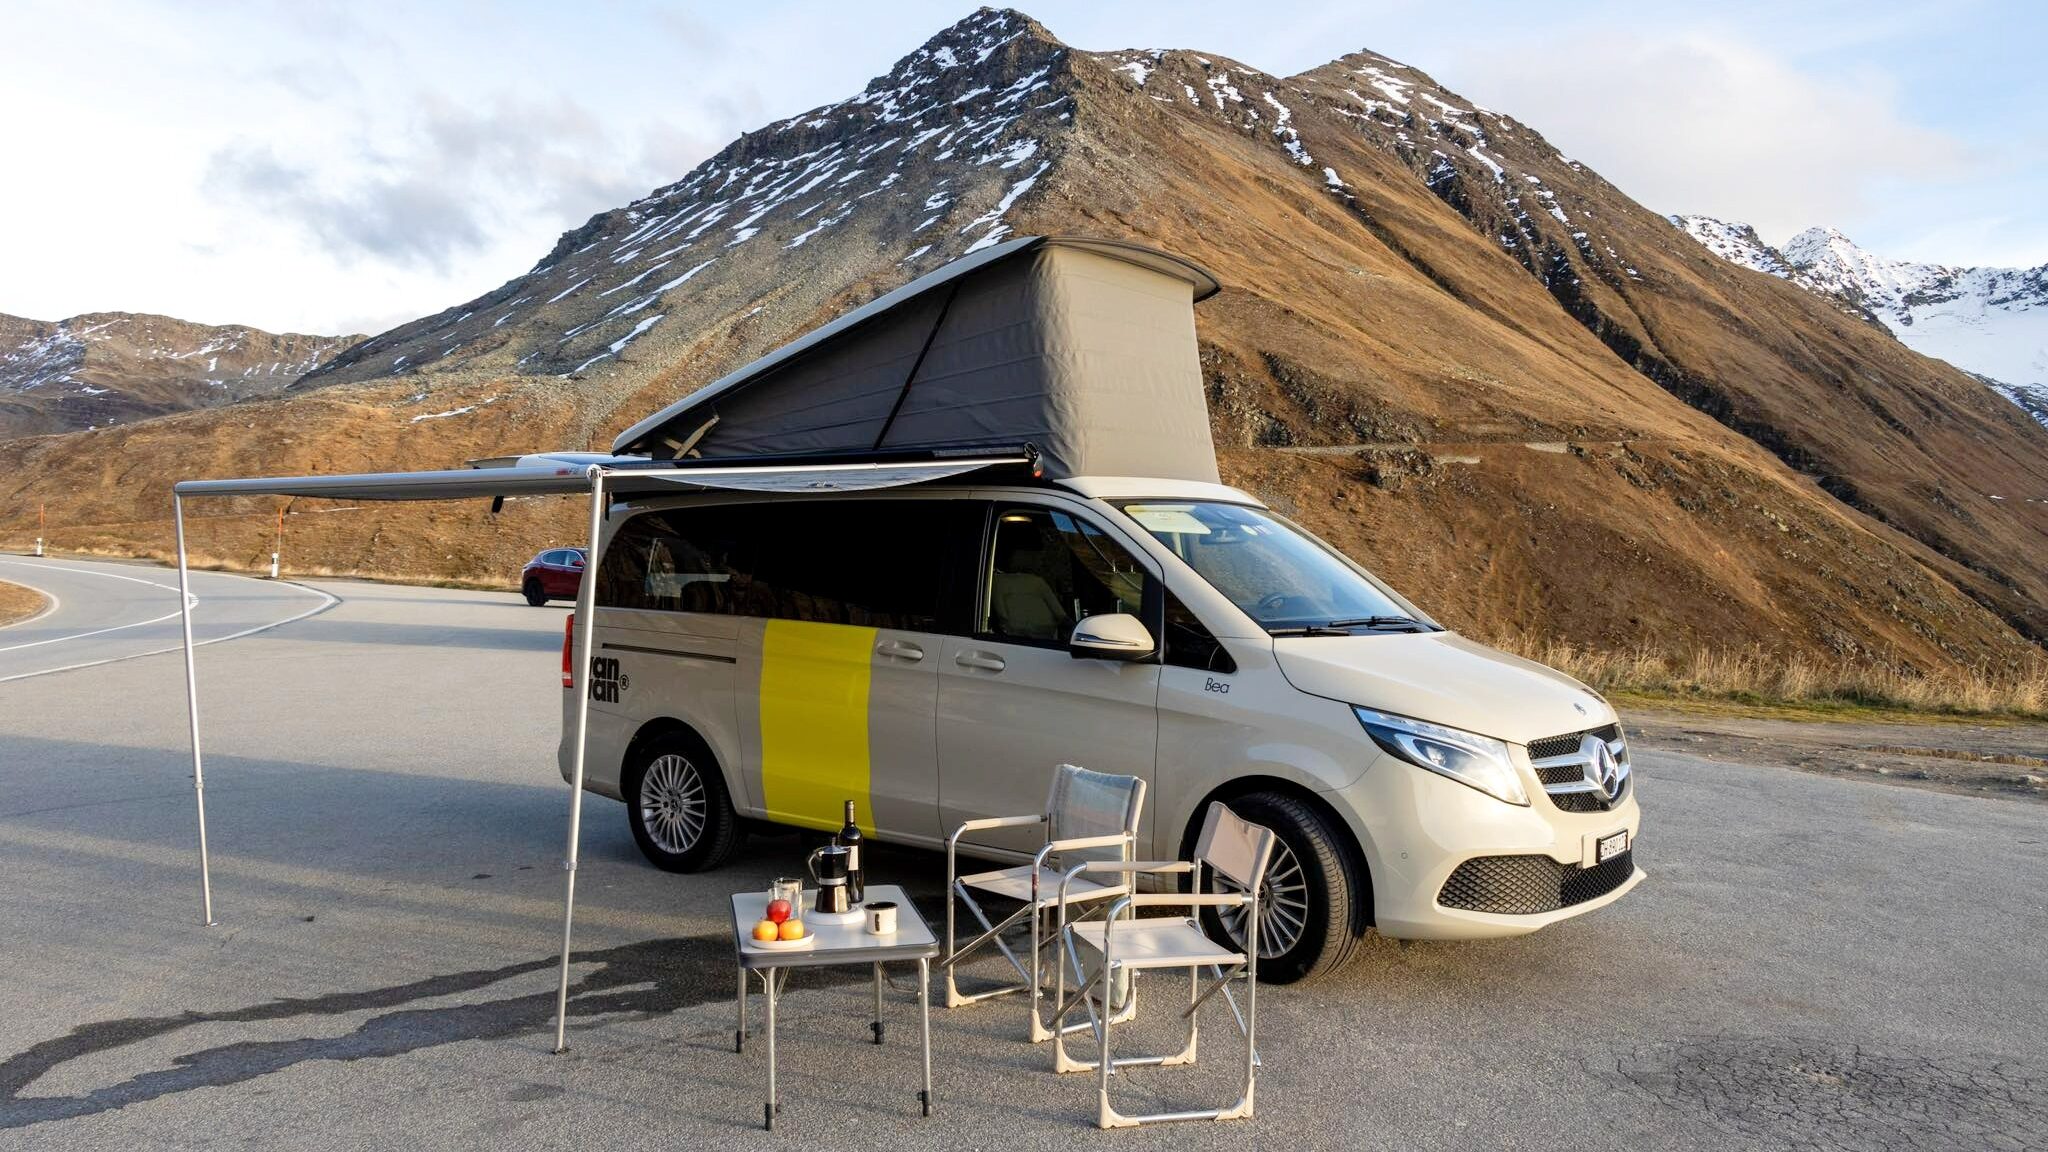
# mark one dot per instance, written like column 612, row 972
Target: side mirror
column 576, row 563
column 1111, row 636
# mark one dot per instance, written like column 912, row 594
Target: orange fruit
column 765, row 930
column 792, row 929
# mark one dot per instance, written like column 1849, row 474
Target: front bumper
column 1418, row 828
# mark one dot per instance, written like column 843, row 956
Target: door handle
column 986, row 661
column 900, row 648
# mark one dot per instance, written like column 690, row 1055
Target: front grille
column 1568, row 743
column 1589, row 801
column 1524, row 885
column 1579, row 801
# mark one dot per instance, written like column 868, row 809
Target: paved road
column 106, row 612
column 1814, row 962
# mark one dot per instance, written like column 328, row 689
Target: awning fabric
column 1082, row 348
column 545, row 480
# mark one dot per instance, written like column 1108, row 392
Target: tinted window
column 871, row 563
column 1189, row 643
column 1048, row 569
column 548, row 558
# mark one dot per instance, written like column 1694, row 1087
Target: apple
column 766, row 930
column 779, row 910
column 792, row 929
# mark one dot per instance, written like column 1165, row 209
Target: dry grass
column 1759, row 676
column 18, row 603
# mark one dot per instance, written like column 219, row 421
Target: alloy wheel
column 1283, row 905
column 673, row 803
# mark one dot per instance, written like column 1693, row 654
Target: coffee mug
column 881, row 918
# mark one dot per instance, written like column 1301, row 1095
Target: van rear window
column 872, row 563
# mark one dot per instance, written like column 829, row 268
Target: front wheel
column 1313, row 905
column 677, row 806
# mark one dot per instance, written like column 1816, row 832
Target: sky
column 315, row 166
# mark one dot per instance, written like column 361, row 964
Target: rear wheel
column 677, row 805
column 535, row 594
column 1313, row 905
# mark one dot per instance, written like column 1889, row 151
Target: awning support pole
column 192, row 710
column 586, row 604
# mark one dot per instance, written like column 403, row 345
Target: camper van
column 1077, row 586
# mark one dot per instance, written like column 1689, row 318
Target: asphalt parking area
column 1815, row 961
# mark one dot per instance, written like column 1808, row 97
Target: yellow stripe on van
column 814, row 722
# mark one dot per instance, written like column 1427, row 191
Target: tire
column 533, row 592
column 1314, row 864
column 677, row 805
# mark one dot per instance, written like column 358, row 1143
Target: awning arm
column 192, row 713
column 586, row 602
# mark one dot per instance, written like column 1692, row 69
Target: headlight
column 1476, row 761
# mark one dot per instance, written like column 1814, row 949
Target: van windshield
column 1289, row 582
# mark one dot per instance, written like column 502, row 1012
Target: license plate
column 1608, row 847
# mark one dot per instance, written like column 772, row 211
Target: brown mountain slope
column 115, row 367
column 1413, row 354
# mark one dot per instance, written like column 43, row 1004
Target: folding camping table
column 834, row 944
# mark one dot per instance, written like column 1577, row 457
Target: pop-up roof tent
column 1084, row 348
column 1065, row 356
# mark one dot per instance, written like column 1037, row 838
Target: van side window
column 1190, row 644
column 675, row 561
column 1049, row 569
column 870, row 563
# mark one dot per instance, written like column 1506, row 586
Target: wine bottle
column 856, row 885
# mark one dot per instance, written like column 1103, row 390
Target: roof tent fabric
column 470, row 483
column 1082, row 348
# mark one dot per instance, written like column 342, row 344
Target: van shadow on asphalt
column 646, row 979
column 332, row 629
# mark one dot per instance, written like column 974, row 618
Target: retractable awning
column 620, row 480
column 620, row 477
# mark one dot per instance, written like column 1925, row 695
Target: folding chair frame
column 1105, row 1065
column 1031, row 976
column 1036, row 908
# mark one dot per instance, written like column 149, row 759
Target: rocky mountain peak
column 938, row 149
column 1990, row 322
column 1737, row 243
column 102, row 368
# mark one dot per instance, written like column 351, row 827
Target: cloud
column 1700, row 123
column 455, row 181
column 407, row 220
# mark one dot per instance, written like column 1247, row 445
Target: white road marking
column 326, row 601
column 51, row 602
column 96, row 631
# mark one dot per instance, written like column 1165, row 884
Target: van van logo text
column 606, row 681
column 1217, row 686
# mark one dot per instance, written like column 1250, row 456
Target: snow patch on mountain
column 1989, row 322
column 1736, row 243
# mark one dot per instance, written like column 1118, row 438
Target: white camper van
column 1078, row 588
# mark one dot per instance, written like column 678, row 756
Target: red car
column 556, row 574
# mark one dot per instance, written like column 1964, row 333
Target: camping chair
column 1101, row 951
column 1088, row 815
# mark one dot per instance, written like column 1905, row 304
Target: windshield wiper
column 1308, row 630
column 1388, row 623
